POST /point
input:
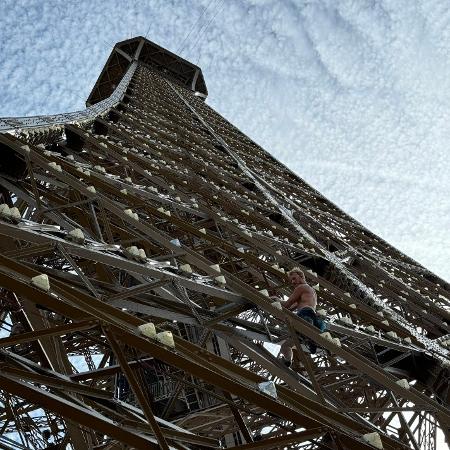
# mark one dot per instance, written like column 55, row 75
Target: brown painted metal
column 137, row 389
column 207, row 196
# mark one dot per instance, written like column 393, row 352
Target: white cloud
column 353, row 96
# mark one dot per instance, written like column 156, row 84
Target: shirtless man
column 303, row 301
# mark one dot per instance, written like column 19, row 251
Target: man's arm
column 293, row 299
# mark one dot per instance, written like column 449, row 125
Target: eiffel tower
column 144, row 243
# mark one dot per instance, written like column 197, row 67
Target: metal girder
column 73, row 411
column 137, row 389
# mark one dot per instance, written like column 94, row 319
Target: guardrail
column 10, row 124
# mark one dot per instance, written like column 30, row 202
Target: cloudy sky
column 354, row 96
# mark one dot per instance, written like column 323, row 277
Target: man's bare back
column 302, row 296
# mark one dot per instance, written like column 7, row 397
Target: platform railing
column 11, row 124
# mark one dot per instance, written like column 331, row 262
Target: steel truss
column 218, row 221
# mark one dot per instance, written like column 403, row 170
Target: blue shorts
column 308, row 314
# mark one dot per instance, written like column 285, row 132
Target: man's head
column 296, row 276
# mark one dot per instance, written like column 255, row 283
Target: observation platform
column 142, row 50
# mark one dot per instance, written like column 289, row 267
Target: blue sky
column 354, row 96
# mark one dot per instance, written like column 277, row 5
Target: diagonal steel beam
column 138, row 391
column 58, row 330
column 84, row 416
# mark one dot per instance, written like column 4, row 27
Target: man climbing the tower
column 303, row 302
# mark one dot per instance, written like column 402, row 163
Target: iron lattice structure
column 149, row 207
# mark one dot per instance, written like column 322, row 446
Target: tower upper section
column 151, row 54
